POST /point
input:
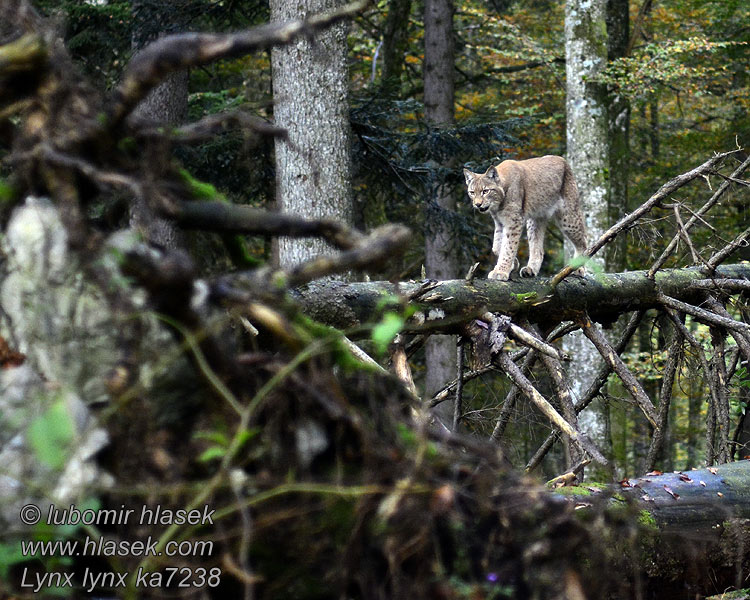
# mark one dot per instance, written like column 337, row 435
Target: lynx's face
column 485, row 191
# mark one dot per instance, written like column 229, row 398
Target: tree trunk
column 395, row 40
column 587, row 134
column 166, row 104
column 310, row 88
column 618, row 36
column 440, row 258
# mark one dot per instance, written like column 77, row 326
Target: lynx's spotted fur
column 535, row 192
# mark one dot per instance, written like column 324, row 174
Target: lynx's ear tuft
column 469, row 175
column 492, row 174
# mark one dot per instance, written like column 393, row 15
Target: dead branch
column 741, row 338
column 520, row 380
column 728, row 285
column 719, row 376
column 593, row 390
column 455, row 302
column 557, row 374
column 458, row 401
column 628, row 220
column 510, row 399
column 186, row 50
column 715, row 399
column 213, row 125
column 232, row 218
column 697, row 216
column 618, row 366
column 401, row 366
column 703, row 315
column 674, row 356
column 741, row 241
column 380, row 245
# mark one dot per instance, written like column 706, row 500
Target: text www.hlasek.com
column 106, row 547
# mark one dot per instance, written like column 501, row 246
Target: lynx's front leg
column 510, row 236
column 497, row 238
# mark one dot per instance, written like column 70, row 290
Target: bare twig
column 556, row 372
column 233, row 218
column 458, row 402
column 547, row 409
column 593, row 389
column 702, row 314
column 719, row 376
column 711, row 416
column 684, row 234
column 674, row 355
column 510, row 399
column 704, row 209
column 741, row 241
column 742, row 338
column 618, row 366
column 628, row 220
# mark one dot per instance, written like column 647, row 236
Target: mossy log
column 694, row 505
column 450, row 304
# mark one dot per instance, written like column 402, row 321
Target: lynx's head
column 485, row 191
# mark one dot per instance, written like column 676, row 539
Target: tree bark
column 440, row 256
column 395, row 40
column 165, row 104
column 699, row 510
column 588, row 152
column 310, row 87
column 453, row 303
column 618, row 36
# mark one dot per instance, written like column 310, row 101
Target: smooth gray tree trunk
column 310, row 88
column 588, row 155
column 440, row 255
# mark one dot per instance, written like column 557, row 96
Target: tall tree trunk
column 310, row 88
column 166, row 104
column 395, row 40
column 588, row 151
column 440, row 259
column 618, row 37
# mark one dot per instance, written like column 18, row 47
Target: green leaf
column 214, row 452
column 217, row 437
column 384, row 332
column 51, row 434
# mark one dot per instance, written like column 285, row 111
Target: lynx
column 534, row 191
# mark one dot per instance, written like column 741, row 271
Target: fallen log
column 695, row 505
column 450, row 304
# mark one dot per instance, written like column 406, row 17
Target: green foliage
column 390, row 324
column 384, row 332
column 220, row 443
column 200, row 190
column 51, row 435
column 694, row 65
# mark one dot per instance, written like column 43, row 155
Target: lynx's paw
column 527, row 272
column 499, row 275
